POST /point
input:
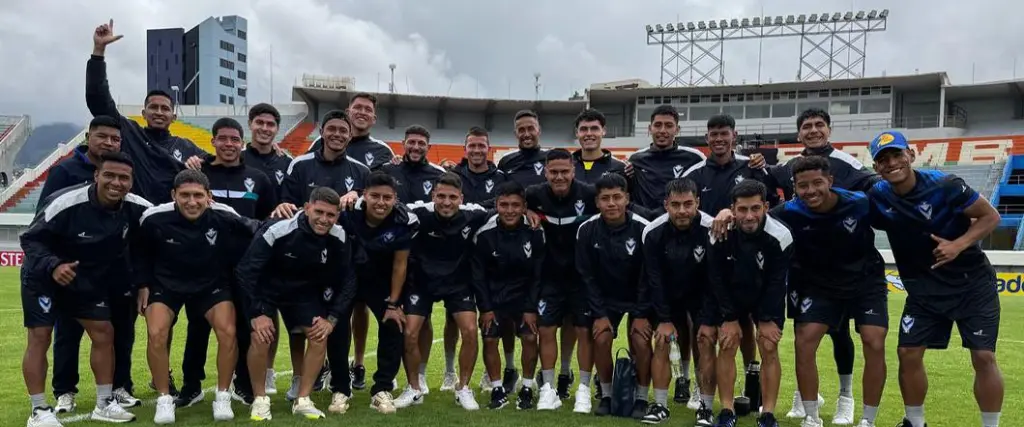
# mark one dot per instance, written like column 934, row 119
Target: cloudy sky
column 479, row 48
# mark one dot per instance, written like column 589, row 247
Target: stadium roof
column 911, row 82
column 1005, row 88
column 424, row 102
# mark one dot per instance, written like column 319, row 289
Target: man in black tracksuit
column 653, row 167
column 507, row 260
column 373, row 152
column 748, row 278
column 480, row 177
column 302, row 267
column 592, row 161
column 184, row 253
column 415, row 174
column 525, row 165
column 261, row 154
column 330, row 166
column 607, row 163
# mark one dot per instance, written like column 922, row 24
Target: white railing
column 20, row 129
column 32, row 174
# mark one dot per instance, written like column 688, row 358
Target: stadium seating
column 28, row 202
column 297, row 141
column 200, row 136
column 206, row 123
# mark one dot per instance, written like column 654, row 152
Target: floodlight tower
column 831, row 46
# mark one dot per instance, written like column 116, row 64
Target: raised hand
column 103, row 36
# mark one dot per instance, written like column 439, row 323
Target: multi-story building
column 208, row 64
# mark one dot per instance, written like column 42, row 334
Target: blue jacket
column 73, row 170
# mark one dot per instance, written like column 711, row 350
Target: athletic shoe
column 767, row 419
column 164, row 410
column 260, row 409
column 907, row 423
column 866, row 423
column 583, row 403
column 449, row 382
column 426, row 388
column 383, row 402
column 111, row 412
column 604, row 407
column 409, row 397
column 125, row 399
column 191, row 394
column 694, row 402
column 510, row 379
column 726, row 418
column 244, row 396
column 810, row 422
column 798, row 406
column 323, row 378
column 485, row 383
column 525, row 398
column 655, row 414
column 293, row 391
column 597, row 388
column 339, row 404
column 705, row 418
column 844, row 411
column 498, row 398
column 682, row 390
column 564, row 382
column 548, row 400
column 43, row 417
column 465, row 398
column 304, row 407
column 358, row 375
column 639, row 409
column 222, row 407
column 65, row 403
column 271, row 388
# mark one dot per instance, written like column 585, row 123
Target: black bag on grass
column 623, row 390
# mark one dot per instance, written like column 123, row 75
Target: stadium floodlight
column 848, row 16
column 779, row 20
column 767, row 21
column 660, row 28
column 723, row 24
column 801, row 19
column 757, row 21
column 813, row 18
column 860, row 15
column 702, row 25
column 884, row 14
column 836, row 16
column 734, row 23
column 872, row 14
column 823, row 18
column 745, row 22
column 680, row 27
column 712, row 25
column 650, row 29
column 670, row 28
column 690, row 26
column 790, row 19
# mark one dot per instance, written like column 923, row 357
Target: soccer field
column 950, row 400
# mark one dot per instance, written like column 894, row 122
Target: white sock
column 529, row 383
column 916, row 415
column 496, row 384
column 990, row 419
column 846, row 386
column 811, row 409
column 641, row 393
column 585, row 378
column 38, row 400
column 708, row 400
column 606, row 390
column 870, row 412
column 103, row 392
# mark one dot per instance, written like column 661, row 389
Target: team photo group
column 698, row 259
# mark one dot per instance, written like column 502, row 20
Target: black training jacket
column 69, row 172
column 715, row 182
column 847, row 172
column 415, row 180
column 375, row 256
column 479, row 187
column 609, row 259
column 561, row 218
column 654, row 168
column 676, row 267
column 748, row 271
column 506, row 266
column 273, row 165
column 366, row 149
column 312, row 170
column 244, row 188
column 607, row 163
column 439, row 259
column 524, row 166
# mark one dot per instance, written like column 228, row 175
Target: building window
column 241, row 58
column 241, row 92
column 870, row 106
column 227, row 46
column 242, row 35
column 820, row 105
column 759, row 111
column 224, row 63
column 223, row 99
column 703, row 113
column 785, row 109
column 734, row 111
column 843, row 107
column 227, row 82
column 231, row 100
column 241, row 75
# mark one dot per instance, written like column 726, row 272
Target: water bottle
column 753, row 385
column 675, row 357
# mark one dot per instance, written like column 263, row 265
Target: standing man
column 748, row 277
column 592, row 161
column 373, row 152
column 651, row 168
column 303, row 268
column 934, row 222
column 76, row 251
column 836, row 274
column 260, row 153
column 480, row 177
column 525, row 165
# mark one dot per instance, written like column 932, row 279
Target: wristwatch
column 333, row 320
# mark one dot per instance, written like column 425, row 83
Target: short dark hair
column 364, row 95
column 665, row 110
column 810, row 163
column 525, row 113
column 116, row 157
column 611, row 181
column 157, row 92
column 326, row 195
column 478, row 131
column 380, row 178
column 104, row 121
column 813, row 112
column 721, row 120
column 334, row 115
column 417, row 130
column 590, row 115
column 450, row 179
column 749, row 188
column 227, row 123
column 510, row 188
column 189, row 176
column 557, row 154
column 681, row 186
column 264, row 108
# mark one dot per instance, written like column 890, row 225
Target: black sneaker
column 525, row 398
column 358, row 377
column 604, row 407
column 682, row 390
column 564, row 382
column 510, row 379
column 597, row 388
column 767, row 419
column 705, row 418
column 322, row 379
column 243, row 395
column 907, row 423
column 498, row 398
column 539, row 379
column 172, row 389
column 656, row 413
column 191, row 394
column 639, row 409
column 726, row 418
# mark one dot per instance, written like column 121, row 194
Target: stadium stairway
column 297, row 141
column 26, row 198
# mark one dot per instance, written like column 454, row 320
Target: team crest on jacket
column 698, row 253
column 541, row 307
column 527, row 249
column 760, row 260
column 427, row 186
column 211, row 236
column 579, row 207
column 850, row 224
column 249, row 184
column 465, row 232
column 926, row 209
column 46, row 304
column 538, row 168
column 328, row 293
column 279, row 175
column 630, row 246
column 389, row 236
column 806, row 305
column 124, row 232
column 413, row 299
column 349, row 183
column 177, row 154
column 489, row 185
column 739, row 179
column 369, row 158
column 677, row 171
column 323, row 256
column 907, row 324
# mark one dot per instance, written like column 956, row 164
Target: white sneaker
column 810, row 422
column 548, row 400
column 112, row 413
column 260, row 410
column 694, row 402
column 423, row 384
column 451, row 379
column 866, row 423
column 271, row 386
column 164, row 410
column 222, row 407
column 125, row 399
column 44, row 417
column 409, row 397
column 465, row 398
column 383, row 402
column 583, row 403
column 797, row 410
column 293, row 391
column 339, row 403
column 304, row 407
column 485, row 384
column 66, row 403
column 844, row 411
